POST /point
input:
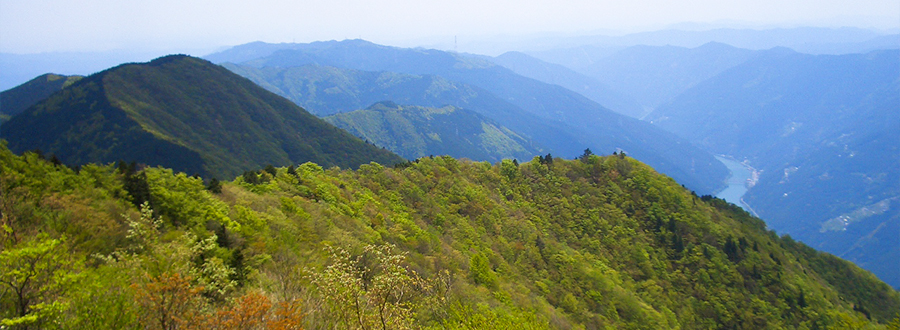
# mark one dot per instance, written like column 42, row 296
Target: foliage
column 440, row 243
column 371, row 291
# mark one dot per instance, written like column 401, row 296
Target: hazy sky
column 29, row 26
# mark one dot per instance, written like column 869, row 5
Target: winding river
column 742, row 176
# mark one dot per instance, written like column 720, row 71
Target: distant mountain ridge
column 596, row 127
column 414, row 132
column 556, row 74
column 653, row 75
column 184, row 113
column 15, row 100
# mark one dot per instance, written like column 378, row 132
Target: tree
column 33, row 274
column 586, row 155
column 169, row 301
column 369, row 291
column 254, row 310
column 214, row 186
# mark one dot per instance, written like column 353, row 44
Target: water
column 737, row 182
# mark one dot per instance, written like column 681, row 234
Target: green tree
column 33, row 275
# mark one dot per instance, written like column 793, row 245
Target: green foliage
column 34, row 274
column 602, row 242
column 480, row 267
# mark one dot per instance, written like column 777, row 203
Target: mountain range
column 563, row 121
column 653, row 75
column 537, row 242
column 184, row 113
column 556, row 74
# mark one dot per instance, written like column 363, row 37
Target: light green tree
column 33, row 275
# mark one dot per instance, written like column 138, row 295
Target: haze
column 34, row 26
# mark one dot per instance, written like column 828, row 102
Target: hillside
column 414, row 132
column 594, row 126
column 823, row 131
column 184, row 113
column 437, row 244
column 15, row 100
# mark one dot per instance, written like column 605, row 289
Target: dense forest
column 437, row 243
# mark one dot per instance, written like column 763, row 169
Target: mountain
column 439, row 243
column 594, row 126
column 823, row 130
column 325, row 91
column 414, row 132
column 15, row 100
column 556, row 74
column 652, row 75
column 184, row 113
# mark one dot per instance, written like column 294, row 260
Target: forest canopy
column 437, row 243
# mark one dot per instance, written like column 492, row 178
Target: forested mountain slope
column 414, row 132
column 185, row 113
column 439, row 243
column 823, row 130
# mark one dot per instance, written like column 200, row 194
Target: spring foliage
column 438, row 243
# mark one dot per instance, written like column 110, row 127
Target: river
column 741, row 177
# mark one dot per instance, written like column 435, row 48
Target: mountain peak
column 186, row 113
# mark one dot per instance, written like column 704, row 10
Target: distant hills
column 549, row 114
column 184, row 113
column 576, row 51
column 653, row 75
column 823, row 130
column 16, row 100
column 556, row 74
column 415, row 131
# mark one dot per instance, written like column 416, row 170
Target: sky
column 34, row 26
